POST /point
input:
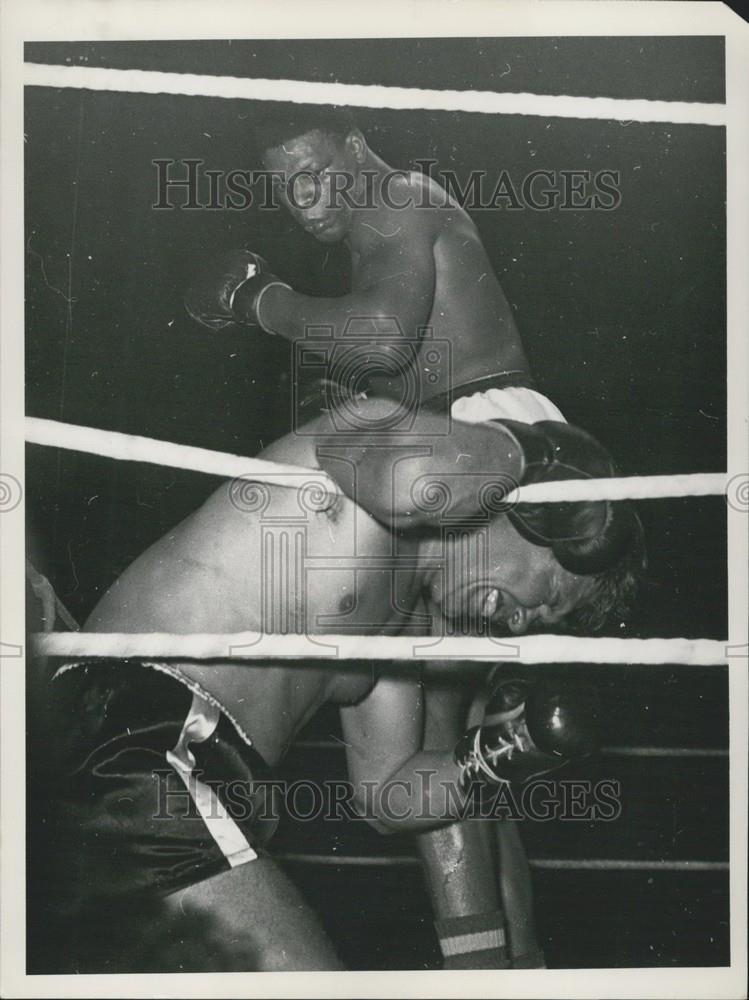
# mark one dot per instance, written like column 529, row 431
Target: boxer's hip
column 155, row 790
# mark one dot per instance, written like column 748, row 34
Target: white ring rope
column 131, row 448
column 356, row 95
column 688, row 484
column 550, row 649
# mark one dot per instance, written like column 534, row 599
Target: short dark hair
column 612, row 594
column 289, row 121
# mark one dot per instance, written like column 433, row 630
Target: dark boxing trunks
column 155, row 788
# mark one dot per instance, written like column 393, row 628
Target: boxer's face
column 315, row 170
column 496, row 579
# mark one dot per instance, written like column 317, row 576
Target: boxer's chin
column 334, row 232
column 500, row 630
column 332, row 235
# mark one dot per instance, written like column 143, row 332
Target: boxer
column 419, row 272
column 151, row 753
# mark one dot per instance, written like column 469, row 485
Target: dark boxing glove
column 586, row 537
column 230, row 289
column 529, row 730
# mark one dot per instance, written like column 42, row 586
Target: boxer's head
column 315, row 156
column 498, row 581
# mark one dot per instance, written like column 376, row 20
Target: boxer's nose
column 305, row 191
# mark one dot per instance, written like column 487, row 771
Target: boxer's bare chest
column 292, row 562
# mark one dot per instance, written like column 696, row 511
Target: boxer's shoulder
column 407, row 210
column 434, row 208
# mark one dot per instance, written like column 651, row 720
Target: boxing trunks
column 509, row 395
column 156, row 788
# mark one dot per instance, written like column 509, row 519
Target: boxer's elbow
column 367, row 806
column 388, row 804
column 379, row 825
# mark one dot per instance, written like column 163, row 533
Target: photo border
column 109, row 20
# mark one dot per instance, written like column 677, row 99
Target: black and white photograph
column 374, row 501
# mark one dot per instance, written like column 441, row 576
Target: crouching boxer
column 459, row 859
column 274, row 559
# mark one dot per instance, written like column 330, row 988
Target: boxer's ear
column 356, row 144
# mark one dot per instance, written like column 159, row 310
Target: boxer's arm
column 398, row 787
column 415, row 473
column 393, row 284
column 393, row 473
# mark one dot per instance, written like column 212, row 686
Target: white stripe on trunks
column 201, row 723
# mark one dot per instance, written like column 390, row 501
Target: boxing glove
column 230, row 289
column 586, row 537
column 529, row 730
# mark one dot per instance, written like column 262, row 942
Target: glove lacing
column 476, row 761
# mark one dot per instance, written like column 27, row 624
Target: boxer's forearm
column 394, row 473
column 294, row 316
column 422, row 794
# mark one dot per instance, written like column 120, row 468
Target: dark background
column 623, row 318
